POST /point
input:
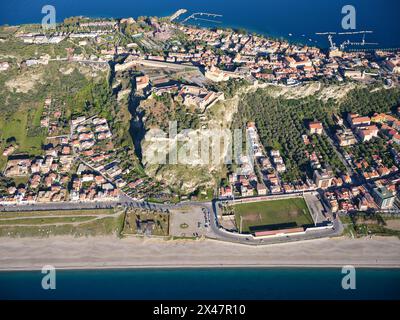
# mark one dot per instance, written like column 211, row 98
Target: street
column 210, row 208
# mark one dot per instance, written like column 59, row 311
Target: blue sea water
column 235, row 283
column 301, row 18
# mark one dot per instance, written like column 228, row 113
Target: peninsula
column 152, row 134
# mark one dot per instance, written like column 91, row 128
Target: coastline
column 220, row 266
column 100, row 253
column 268, row 19
column 268, row 34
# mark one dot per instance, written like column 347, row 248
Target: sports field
column 272, row 215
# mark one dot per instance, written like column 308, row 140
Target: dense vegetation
column 368, row 149
column 366, row 101
column 282, row 122
column 162, row 109
column 230, row 87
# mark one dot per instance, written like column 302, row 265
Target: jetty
column 177, row 14
column 199, row 16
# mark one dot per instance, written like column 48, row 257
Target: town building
column 366, row 133
column 261, row 189
column 355, row 120
column 354, row 74
column 315, row 127
column 383, row 197
column 323, row 178
column 345, row 137
column 142, row 82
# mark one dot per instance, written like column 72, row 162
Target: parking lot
column 317, row 211
column 189, row 222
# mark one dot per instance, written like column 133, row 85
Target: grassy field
column 22, row 95
column 363, row 224
column 40, row 221
column 38, row 214
column 73, row 222
column 273, row 214
column 105, row 226
column 17, row 127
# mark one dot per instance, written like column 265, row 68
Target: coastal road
column 211, row 208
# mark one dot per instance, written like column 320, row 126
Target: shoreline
column 108, row 253
column 275, row 36
column 204, row 267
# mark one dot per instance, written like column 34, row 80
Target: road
column 215, row 232
column 349, row 169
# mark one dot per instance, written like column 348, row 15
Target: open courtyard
column 189, row 222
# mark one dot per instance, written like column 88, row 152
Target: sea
column 295, row 20
column 204, row 283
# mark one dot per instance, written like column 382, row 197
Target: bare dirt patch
column 252, row 217
column 66, row 71
column 24, row 83
column 321, row 91
column 393, row 224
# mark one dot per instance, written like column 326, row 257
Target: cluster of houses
column 82, row 165
column 139, row 188
column 380, row 190
column 249, row 55
column 226, row 54
column 364, row 128
column 361, row 129
column 391, row 60
column 83, row 29
column 270, row 167
column 341, row 193
column 52, row 178
column 86, row 133
column 373, row 170
column 360, row 198
column 52, row 118
column 389, row 125
column 99, row 175
column 245, row 182
column 276, row 61
column 46, row 176
column 90, row 185
column 242, row 185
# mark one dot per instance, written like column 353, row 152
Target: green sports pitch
column 272, row 215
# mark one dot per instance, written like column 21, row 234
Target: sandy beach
column 110, row 252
